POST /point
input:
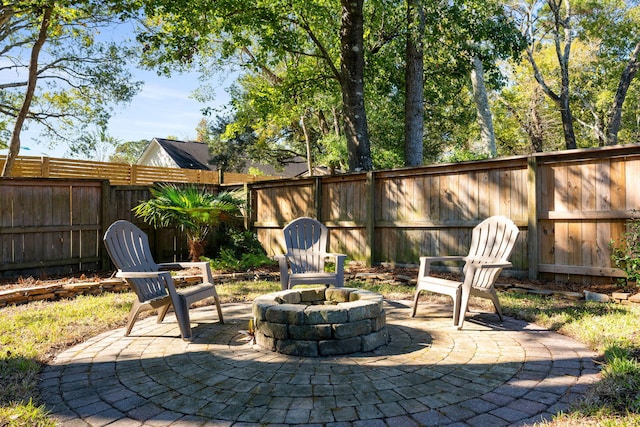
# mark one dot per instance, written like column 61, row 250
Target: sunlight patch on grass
column 598, row 325
column 32, row 333
column 25, row 415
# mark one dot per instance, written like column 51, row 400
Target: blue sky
column 164, row 107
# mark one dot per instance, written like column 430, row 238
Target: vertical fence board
column 632, row 180
column 618, row 181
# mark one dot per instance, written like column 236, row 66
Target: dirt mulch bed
column 351, row 270
column 603, row 288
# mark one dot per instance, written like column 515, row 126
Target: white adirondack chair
column 128, row 247
column 306, row 242
column 491, row 243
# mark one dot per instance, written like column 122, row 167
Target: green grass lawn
column 32, row 334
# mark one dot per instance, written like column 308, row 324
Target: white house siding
column 155, row 155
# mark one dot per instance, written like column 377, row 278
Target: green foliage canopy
column 79, row 77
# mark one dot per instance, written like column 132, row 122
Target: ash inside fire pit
column 320, row 321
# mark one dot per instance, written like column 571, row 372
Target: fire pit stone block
column 321, row 321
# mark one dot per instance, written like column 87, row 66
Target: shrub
column 625, row 253
column 242, row 251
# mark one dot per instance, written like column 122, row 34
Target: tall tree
column 473, row 36
column 14, row 145
column 70, row 81
column 615, row 112
column 352, row 84
column 554, row 19
column 612, row 28
column 414, row 82
column 267, row 35
column 596, row 47
column 483, row 109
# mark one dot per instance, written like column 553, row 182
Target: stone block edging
column 320, row 321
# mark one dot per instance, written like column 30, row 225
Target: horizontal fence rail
column 120, row 173
column 568, row 205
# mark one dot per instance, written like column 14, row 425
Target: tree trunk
column 352, row 85
column 563, row 53
column 615, row 115
column 535, row 128
column 196, row 249
column 562, row 38
column 414, row 81
column 483, row 110
column 322, row 122
column 14, row 145
column 567, row 122
column 307, row 140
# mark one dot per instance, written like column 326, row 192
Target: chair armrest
column 140, row 274
column 340, row 259
column 425, row 262
column 474, row 266
column 205, row 268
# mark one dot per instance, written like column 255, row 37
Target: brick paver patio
column 488, row 374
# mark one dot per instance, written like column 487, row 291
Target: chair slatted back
column 492, row 241
column 128, row 247
column 306, row 242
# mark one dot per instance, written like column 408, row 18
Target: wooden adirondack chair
column 491, row 243
column 128, row 247
column 306, row 242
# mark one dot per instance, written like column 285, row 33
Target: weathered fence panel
column 49, row 226
column 274, row 205
column 55, row 226
column 428, row 211
column 584, row 203
column 568, row 206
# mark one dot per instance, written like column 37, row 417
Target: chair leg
column 456, row 307
column 133, row 316
column 493, row 296
column 464, row 304
column 217, row 301
column 182, row 316
column 162, row 312
column 415, row 303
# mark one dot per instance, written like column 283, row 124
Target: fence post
column 106, row 218
column 45, row 167
column 532, row 221
column 371, row 219
column 248, row 209
column 317, row 198
column 133, row 169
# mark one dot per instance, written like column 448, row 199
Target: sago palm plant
column 191, row 208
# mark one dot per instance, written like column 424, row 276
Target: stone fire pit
column 320, row 321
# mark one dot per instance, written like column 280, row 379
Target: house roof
column 195, row 155
column 187, row 154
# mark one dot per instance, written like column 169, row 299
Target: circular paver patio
column 489, row 373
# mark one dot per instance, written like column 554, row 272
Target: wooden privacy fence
column 568, row 205
column 55, row 226
column 119, row 173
